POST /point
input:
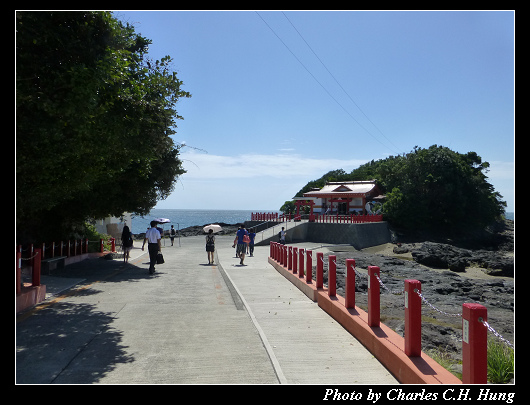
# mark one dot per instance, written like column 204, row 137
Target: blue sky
column 269, row 126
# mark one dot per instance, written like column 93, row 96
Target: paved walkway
column 188, row 323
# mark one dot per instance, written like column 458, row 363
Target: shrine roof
column 346, row 188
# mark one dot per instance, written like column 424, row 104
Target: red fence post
column 332, row 275
column 295, row 260
column 320, row 270
column 474, row 344
column 36, row 268
column 373, row 296
column 102, row 247
column 113, row 244
column 290, row 258
column 412, row 318
column 309, row 266
column 301, row 253
column 271, row 249
column 350, row 283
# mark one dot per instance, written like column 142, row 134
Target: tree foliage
column 434, row 188
column 288, row 207
column 94, row 116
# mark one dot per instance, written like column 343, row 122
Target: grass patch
column 500, row 362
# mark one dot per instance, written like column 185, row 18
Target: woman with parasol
column 210, row 240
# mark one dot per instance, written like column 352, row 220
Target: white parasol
column 162, row 220
column 214, row 227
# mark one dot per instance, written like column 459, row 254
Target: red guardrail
column 474, row 316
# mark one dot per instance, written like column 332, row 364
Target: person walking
column 252, row 235
column 126, row 243
column 282, row 236
column 172, row 234
column 241, row 243
column 210, row 246
column 152, row 236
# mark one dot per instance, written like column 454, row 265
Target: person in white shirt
column 152, row 236
column 282, row 236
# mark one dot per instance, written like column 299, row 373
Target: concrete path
column 271, row 234
column 188, row 323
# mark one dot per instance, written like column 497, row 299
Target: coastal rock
column 400, row 250
column 440, row 255
column 444, row 256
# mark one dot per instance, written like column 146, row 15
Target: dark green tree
column 94, row 116
column 288, row 207
column 439, row 189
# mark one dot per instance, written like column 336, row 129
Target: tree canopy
column 94, row 116
column 434, row 188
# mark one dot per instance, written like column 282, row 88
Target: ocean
column 185, row 218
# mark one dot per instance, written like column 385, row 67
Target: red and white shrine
column 342, row 198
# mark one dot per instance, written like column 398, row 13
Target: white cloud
column 207, row 166
column 250, row 181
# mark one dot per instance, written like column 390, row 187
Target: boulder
column 400, row 249
column 444, row 256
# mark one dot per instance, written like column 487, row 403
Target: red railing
column 32, row 257
column 264, row 216
column 270, row 216
column 474, row 316
column 336, row 219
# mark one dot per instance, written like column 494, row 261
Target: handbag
column 246, row 239
column 159, row 258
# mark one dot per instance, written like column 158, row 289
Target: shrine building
column 342, row 198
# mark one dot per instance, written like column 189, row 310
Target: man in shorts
column 241, row 245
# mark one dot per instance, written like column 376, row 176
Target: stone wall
column 360, row 236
